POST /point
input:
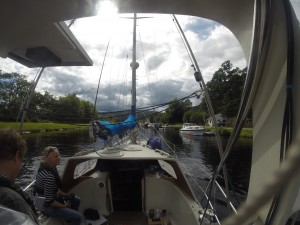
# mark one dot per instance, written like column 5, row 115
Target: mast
column 107, row 128
column 134, row 65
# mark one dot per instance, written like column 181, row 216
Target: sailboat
column 130, row 180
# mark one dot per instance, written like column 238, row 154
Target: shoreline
column 54, row 127
column 224, row 131
column 43, row 127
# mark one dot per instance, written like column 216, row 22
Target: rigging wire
column 202, row 84
column 287, row 125
column 145, row 109
column 167, row 143
column 122, row 89
column 155, row 61
column 194, row 94
column 288, row 113
column 182, row 39
column 95, row 103
column 146, row 68
column 121, row 113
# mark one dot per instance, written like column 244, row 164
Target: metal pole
column 29, row 98
column 209, row 105
column 134, row 65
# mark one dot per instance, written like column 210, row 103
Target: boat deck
column 130, row 218
column 134, row 218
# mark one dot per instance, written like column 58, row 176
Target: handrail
column 29, row 186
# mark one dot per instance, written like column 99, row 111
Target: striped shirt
column 46, row 181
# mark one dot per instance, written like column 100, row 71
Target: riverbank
column 43, row 127
column 224, row 131
column 47, row 127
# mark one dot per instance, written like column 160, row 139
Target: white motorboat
column 192, row 129
column 127, row 181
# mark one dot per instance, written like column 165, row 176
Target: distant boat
column 192, row 129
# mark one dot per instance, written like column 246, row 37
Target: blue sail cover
column 119, row 128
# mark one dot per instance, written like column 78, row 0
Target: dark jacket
column 13, row 197
column 154, row 142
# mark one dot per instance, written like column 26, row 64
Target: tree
column 187, row 116
column 195, row 115
column 87, row 110
column 42, row 107
column 197, row 118
column 13, row 90
column 176, row 110
column 68, row 108
column 225, row 89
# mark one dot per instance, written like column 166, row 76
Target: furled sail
column 119, row 128
column 103, row 129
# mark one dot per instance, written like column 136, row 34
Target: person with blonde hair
column 12, row 151
column 48, row 184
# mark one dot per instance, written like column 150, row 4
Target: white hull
column 192, row 129
column 192, row 132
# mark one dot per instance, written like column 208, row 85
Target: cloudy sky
column 165, row 70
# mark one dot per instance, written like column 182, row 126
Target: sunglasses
column 51, row 149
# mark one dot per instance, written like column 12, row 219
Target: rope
column 145, row 65
column 95, row 103
column 203, row 87
column 287, row 124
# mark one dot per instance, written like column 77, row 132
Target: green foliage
column 175, row 112
column 42, row 126
column 197, row 118
column 195, row 115
column 225, row 89
column 14, row 89
column 224, row 131
column 187, row 116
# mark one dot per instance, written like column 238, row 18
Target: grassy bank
column 224, row 131
column 36, row 127
column 246, row 132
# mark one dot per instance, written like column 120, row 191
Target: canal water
column 199, row 156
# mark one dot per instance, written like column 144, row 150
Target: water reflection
column 67, row 142
column 199, row 155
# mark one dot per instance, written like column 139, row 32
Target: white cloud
column 165, row 70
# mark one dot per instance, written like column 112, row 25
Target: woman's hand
column 67, row 204
column 57, row 204
column 61, row 192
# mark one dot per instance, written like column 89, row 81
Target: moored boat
column 192, row 129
